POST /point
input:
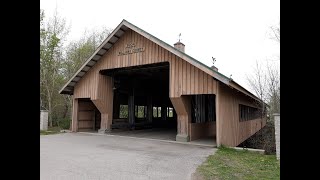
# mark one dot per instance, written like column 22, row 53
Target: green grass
column 51, row 130
column 229, row 163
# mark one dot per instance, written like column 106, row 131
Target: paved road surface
column 84, row 156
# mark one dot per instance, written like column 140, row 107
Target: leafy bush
column 64, row 123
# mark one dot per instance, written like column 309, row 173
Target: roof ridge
column 179, row 50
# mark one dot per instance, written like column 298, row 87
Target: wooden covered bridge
column 134, row 81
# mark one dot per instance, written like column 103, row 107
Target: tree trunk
column 66, row 108
column 49, row 108
column 49, row 113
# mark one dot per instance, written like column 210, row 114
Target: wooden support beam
column 103, row 100
column 131, row 113
column 182, row 106
column 75, row 112
column 116, row 106
column 149, row 108
column 94, row 120
column 164, row 112
column 218, row 118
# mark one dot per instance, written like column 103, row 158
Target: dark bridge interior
column 141, row 97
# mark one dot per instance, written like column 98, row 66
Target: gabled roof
column 115, row 36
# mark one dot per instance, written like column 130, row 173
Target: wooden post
column 116, row 105
column 149, row 109
column 182, row 107
column 103, row 100
column 277, row 133
column 75, row 115
column 218, row 123
column 105, row 123
column 94, row 120
column 131, row 110
column 164, row 112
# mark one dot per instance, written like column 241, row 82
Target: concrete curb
column 260, row 151
column 160, row 140
column 65, row 131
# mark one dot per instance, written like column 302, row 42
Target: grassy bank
column 229, row 163
column 51, row 130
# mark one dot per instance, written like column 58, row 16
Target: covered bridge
column 134, row 80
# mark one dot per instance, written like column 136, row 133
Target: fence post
column 277, row 133
column 44, row 120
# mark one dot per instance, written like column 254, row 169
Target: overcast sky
column 236, row 33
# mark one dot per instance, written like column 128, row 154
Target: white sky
column 236, row 33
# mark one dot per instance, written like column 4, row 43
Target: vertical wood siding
column 75, row 111
column 185, row 79
column 231, row 131
column 85, row 115
column 200, row 130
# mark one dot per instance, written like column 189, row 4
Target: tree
column 273, row 85
column 265, row 83
column 52, row 35
column 274, row 75
column 257, row 82
column 76, row 53
column 276, row 32
column 58, row 63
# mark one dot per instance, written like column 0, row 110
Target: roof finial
column 179, row 37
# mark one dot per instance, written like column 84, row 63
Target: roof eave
column 178, row 53
column 90, row 58
column 245, row 91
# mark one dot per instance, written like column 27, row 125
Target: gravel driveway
column 84, row 156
